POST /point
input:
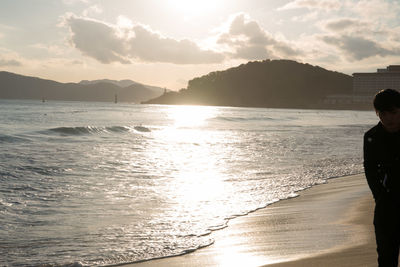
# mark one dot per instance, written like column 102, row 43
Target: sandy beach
column 326, row 225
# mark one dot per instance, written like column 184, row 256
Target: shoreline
column 361, row 255
column 328, row 224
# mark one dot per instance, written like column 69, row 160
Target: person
column 382, row 170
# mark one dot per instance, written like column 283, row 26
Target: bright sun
column 193, row 8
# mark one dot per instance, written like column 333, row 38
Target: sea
column 101, row 184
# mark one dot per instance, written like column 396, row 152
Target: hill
column 121, row 83
column 268, row 83
column 15, row 86
column 125, row 83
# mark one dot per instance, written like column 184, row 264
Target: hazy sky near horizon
column 168, row 42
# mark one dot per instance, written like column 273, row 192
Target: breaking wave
column 11, row 139
column 87, row 130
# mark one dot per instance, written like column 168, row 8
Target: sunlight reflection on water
column 190, row 116
column 129, row 182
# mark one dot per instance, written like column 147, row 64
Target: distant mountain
column 268, row 83
column 126, row 83
column 15, row 86
column 121, row 83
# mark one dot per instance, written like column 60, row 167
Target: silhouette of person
column 382, row 170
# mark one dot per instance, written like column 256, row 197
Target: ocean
column 97, row 184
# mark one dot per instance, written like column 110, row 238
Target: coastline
column 361, row 255
column 328, row 224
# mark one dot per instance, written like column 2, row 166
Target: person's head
column 387, row 107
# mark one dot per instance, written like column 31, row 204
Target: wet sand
column 327, row 225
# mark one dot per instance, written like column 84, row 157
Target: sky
column 166, row 43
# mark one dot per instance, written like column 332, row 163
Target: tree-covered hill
column 268, row 83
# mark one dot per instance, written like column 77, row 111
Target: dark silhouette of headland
column 268, row 83
column 15, row 86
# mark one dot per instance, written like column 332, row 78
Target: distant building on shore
column 366, row 85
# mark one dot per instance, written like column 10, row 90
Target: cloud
column 313, row 4
column 307, row 17
column 95, row 9
column 375, row 10
column 9, row 63
column 245, row 39
column 50, row 48
column 344, row 24
column 358, row 47
column 350, row 30
column 126, row 42
column 358, row 27
column 358, row 38
column 151, row 46
column 97, row 40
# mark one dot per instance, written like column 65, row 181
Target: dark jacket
column 382, row 163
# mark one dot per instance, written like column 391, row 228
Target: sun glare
column 193, row 8
column 191, row 116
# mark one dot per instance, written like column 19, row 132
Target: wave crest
column 88, row 130
column 11, row 139
column 241, row 119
